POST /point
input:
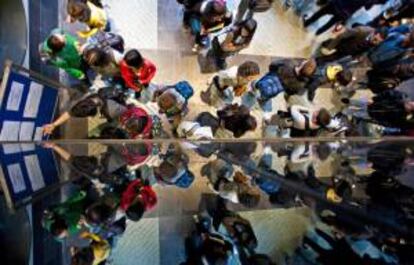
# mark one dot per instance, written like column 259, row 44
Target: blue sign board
column 26, row 106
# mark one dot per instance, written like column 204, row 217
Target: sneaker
column 196, row 48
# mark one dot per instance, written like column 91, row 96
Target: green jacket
column 70, row 211
column 68, row 58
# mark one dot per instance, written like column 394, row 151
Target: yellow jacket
column 100, row 247
column 97, row 21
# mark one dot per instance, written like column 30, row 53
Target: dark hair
column 344, row 77
column 248, row 68
column 251, row 123
column 55, row 44
column 250, row 25
column 215, row 8
column 324, row 117
column 383, row 31
column 79, row 10
column 83, row 256
column 166, row 170
column 84, row 108
column 58, row 226
column 207, row 119
column 411, row 38
column 248, row 199
column 98, row 213
column 260, row 259
column 135, row 211
column 134, row 58
column 215, row 250
column 323, row 151
column 96, row 57
column 111, row 132
column 136, row 125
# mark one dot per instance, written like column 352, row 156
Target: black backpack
column 260, row 5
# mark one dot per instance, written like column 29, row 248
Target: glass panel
column 289, row 202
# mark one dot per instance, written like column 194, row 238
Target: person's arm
column 49, row 128
column 76, row 73
column 149, row 73
column 65, row 155
column 130, row 77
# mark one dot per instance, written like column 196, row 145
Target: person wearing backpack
column 341, row 11
column 63, row 50
column 173, row 101
column 305, row 119
column 334, row 75
column 137, row 71
column 135, row 120
column 237, row 119
column 230, row 83
column 389, row 77
column 206, row 17
column 104, row 61
column 391, row 108
column 263, row 91
column 294, row 75
column 137, row 198
column 236, row 39
column 87, row 12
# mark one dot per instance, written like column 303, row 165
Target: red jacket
column 136, row 188
column 143, row 76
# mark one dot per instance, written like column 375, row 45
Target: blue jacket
column 389, row 50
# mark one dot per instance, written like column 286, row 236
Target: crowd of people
column 383, row 47
column 119, row 186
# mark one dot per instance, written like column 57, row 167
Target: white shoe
column 196, row 48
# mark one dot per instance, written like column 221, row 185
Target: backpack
column 260, row 5
column 269, row 86
column 185, row 89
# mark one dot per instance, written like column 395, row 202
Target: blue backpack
column 185, row 89
column 269, row 86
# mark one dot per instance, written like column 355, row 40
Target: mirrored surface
column 276, row 202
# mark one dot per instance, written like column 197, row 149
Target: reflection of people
column 63, row 219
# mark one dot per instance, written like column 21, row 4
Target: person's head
column 98, row 213
column 56, row 42
column 344, row 77
column 214, row 10
column 248, row 28
column 166, row 101
column 79, row 10
column 248, row 71
column 206, row 119
column 378, row 36
column 59, row 228
column 82, row 256
column 136, row 210
column 165, row 171
column 323, row 117
column 251, row 123
column 96, row 57
column 134, row 59
column 409, row 40
column 136, row 125
column 323, row 151
column 85, row 108
column 308, row 67
column 249, row 198
column 111, row 132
